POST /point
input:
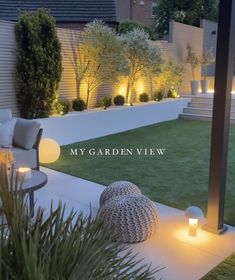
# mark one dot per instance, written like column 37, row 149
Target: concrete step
column 206, row 99
column 200, row 117
column 205, row 105
column 199, row 105
column 203, row 111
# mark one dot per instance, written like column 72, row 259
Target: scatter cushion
column 6, row 133
column 5, row 115
column 26, row 132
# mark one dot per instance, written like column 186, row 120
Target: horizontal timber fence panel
column 180, row 36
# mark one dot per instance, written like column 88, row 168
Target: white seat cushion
column 6, row 133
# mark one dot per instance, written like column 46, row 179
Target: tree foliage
column 141, row 56
column 100, row 57
column 171, row 76
column 128, row 26
column 185, row 11
column 39, row 63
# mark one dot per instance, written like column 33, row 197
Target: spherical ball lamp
column 49, row 150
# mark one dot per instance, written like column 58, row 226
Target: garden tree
column 193, row 59
column 127, row 26
column 39, row 63
column 185, row 11
column 153, row 65
column 171, row 76
column 101, row 58
column 141, row 56
column 207, row 59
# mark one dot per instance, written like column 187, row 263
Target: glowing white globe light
column 49, row 150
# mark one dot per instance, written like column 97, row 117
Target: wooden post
column 221, row 117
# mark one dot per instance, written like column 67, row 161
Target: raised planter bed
column 80, row 126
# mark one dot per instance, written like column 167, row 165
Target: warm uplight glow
column 203, row 237
column 193, row 225
column 122, row 89
column 140, row 87
column 212, row 91
column 49, row 150
column 24, row 173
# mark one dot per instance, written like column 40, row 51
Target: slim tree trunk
column 151, row 86
column 129, row 90
column 87, row 97
column 78, row 82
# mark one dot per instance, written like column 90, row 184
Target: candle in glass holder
column 24, row 173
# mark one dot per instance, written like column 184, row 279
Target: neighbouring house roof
column 62, row 10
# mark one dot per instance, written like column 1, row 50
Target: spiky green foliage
column 39, row 63
column 56, row 246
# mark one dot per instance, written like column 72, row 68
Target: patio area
column 183, row 257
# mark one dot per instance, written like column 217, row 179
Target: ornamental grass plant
column 55, row 246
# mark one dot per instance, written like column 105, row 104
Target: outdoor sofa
column 23, row 136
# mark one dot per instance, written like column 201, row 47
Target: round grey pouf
column 130, row 218
column 118, row 189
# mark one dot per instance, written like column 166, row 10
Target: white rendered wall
column 80, row 126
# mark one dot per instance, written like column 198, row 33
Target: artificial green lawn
column 179, row 178
column 224, row 271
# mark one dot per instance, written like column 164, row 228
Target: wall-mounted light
column 142, row 3
column 193, row 213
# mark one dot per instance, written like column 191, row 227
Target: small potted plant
column 207, row 59
column 194, row 60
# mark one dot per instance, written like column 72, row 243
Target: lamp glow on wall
column 193, row 213
column 49, row 150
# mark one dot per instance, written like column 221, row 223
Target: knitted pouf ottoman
column 130, row 218
column 117, row 189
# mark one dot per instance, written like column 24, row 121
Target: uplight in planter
column 49, row 150
column 193, row 213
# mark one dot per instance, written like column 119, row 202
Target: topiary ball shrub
column 62, row 107
column 119, row 100
column 78, row 104
column 105, row 102
column 144, row 97
column 172, row 93
column 158, row 95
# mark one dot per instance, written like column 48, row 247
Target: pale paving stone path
column 184, row 257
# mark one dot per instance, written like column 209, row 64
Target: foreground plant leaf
column 53, row 247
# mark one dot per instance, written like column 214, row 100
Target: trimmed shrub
column 78, row 104
column 144, row 97
column 39, row 63
column 172, row 93
column 62, row 107
column 158, row 95
column 119, row 100
column 105, row 102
